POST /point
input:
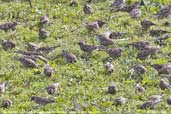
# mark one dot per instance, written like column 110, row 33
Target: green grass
column 84, row 81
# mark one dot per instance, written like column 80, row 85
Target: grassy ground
column 84, row 81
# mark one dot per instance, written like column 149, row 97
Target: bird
column 29, row 53
column 139, row 69
column 44, row 19
column 94, row 25
column 130, row 7
column 43, row 33
column 164, row 85
column 135, row 13
column 139, row 89
column 109, row 67
column 8, row 44
column 47, row 49
column 70, row 57
column 104, row 39
column 120, row 101
column 112, row 89
column 162, row 68
column 117, row 5
column 32, row 46
column 42, row 101
column 140, row 44
column 114, row 52
column 116, row 35
column 88, row 9
column 27, row 62
column 166, row 24
column 169, row 100
column 152, row 102
column 164, row 12
column 6, row 103
column 48, row 71
column 74, row 3
column 87, row 48
column 158, row 32
column 146, row 24
column 8, row 26
column 52, row 88
column 3, row 87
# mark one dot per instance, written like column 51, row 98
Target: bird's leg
column 30, row 3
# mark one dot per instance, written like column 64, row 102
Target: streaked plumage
column 70, row 57
column 87, row 48
column 8, row 26
column 140, row 44
column 146, row 24
column 109, row 67
column 139, row 69
column 104, row 39
column 94, row 25
column 42, row 101
column 48, row 71
column 164, row 85
column 135, row 13
column 139, row 88
column 120, row 101
column 165, row 12
column 44, row 19
column 6, row 103
column 114, row 52
column 158, row 32
column 43, row 33
column 32, row 46
column 52, row 88
column 27, row 62
column 88, row 9
column 112, row 89
column 8, row 44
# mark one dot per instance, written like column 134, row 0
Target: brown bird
column 166, row 24
column 109, row 67
column 8, row 44
column 114, row 52
column 42, row 101
column 164, row 85
column 74, row 3
column 52, row 88
column 28, row 62
column 116, row 35
column 88, row 9
column 139, row 89
column 48, row 71
column 162, row 68
column 130, row 7
column 94, row 25
column 8, row 26
column 139, row 69
column 120, row 101
column 104, row 39
column 70, row 57
column 152, row 102
column 135, row 13
column 117, row 5
column 87, row 48
column 112, row 89
column 140, row 44
column 29, row 53
column 165, row 12
column 32, row 46
column 44, row 19
column 145, row 24
column 6, row 103
column 43, row 33
column 47, row 49
column 158, row 32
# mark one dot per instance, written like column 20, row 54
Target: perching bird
column 166, row 24
column 135, row 13
column 165, row 12
column 140, row 44
column 44, row 19
column 48, row 71
column 42, row 101
column 52, row 88
column 112, row 89
column 104, row 39
column 8, row 44
column 32, row 46
column 8, row 26
column 114, row 52
column 120, row 101
column 43, row 33
column 28, row 62
column 139, row 69
column 164, row 85
column 162, row 68
column 139, row 89
column 3, row 87
column 87, row 48
column 88, row 9
column 158, row 32
column 146, row 24
column 130, row 7
column 47, row 49
column 117, row 5
column 29, row 53
column 169, row 100
column 6, row 103
column 70, row 57
column 94, row 25
column 116, row 35
column 152, row 102
column 109, row 67
column 74, row 3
